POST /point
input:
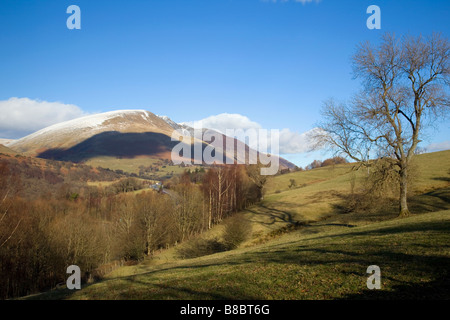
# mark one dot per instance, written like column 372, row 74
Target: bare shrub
column 237, row 230
column 379, row 190
column 200, row 247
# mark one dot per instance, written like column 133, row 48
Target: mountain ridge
column 120, row 133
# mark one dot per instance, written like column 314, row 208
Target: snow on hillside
column 87, row 122
column 5, row 142
column 170, row 122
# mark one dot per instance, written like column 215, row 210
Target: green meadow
column 303, row 245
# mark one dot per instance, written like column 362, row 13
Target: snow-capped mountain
column 69, row 133
column 120, row 134
column 171, row 123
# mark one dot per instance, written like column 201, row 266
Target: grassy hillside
column 431, row 170
column 133, row 165
column 33, row 177
column 320, row 193
column 304, row 247
column 413, row 254
column 6, row 150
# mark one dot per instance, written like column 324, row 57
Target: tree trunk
column 404, row 211
column 210, row 209
column 147, row 244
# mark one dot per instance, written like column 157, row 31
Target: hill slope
column 323, row 192
column 413, row 255
column 6, row 150
column 68, row 134
column 324, row 257
column 118, row 134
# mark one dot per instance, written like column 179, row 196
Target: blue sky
column 274, row 62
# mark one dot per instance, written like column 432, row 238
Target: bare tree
column 153, row 211
column 405, row 89
column 254, row 173
column 188, row 209
column 8, row 188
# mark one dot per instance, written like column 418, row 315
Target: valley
column 304, row 244
column 141, row 227
column 225, row 159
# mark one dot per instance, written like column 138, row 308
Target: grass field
column 325, row 256
column 319, row 193
column 132, row 165
column 413, row 254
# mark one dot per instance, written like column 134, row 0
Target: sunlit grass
column 323, row 257
column 413, row 254
column 132, row 165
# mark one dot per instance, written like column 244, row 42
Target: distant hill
column 4, row 149
column 32, row 177
column 5, row 142
column 63, row 138
column 121, row 134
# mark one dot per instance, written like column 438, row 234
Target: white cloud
column 290, row 142
column 294, row 142
column 224, row 121
column 440, row 146
column 22, row 116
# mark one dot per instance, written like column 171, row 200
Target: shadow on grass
column 413, row 258
column 176, row 291
column 411, row 250
column 386, row 209
column 431, row 201
column 437, row 289
column 443, row 227
column 274, row 215
column 442, row 179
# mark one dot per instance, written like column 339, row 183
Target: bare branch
column 405, row 81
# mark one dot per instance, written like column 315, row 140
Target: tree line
column 40, row 237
